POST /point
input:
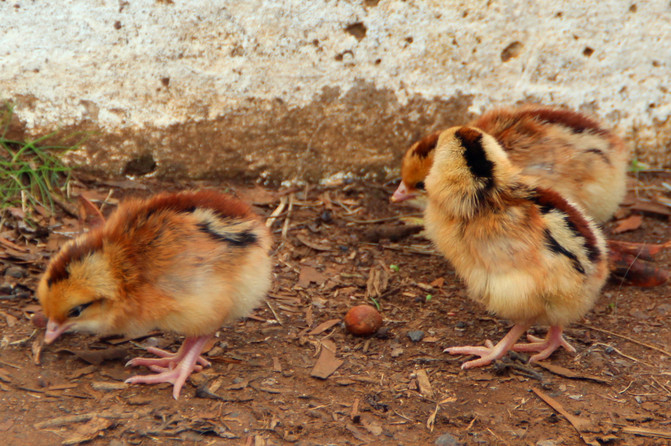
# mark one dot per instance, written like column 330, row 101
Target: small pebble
column 416, row 335
column 446, row 440
column 15, row 272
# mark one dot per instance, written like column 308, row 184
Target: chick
column 524, row 251
column 566, row 150
column 183, row 262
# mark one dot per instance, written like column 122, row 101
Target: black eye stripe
column 77, row 311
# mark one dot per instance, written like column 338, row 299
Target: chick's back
column 185, row 262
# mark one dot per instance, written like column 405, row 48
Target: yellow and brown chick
column 183, row 262
column 524, row 251
column 565, row 150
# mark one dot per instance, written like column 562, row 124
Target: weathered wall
column 304, row 89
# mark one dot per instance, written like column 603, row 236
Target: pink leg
column 489, row 352
column 545, row 347
column 166, row 359
column 175, row 371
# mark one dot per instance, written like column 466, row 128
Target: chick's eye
column 76, row 311
column 420, row 185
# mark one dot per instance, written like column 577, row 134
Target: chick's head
column 415, row 167
column 468, row 165
column 78, row 292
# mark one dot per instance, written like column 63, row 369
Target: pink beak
column 401, row 194
column 54, row 330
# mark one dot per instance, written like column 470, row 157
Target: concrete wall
column 299, row 89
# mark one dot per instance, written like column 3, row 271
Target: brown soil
column 389, row 388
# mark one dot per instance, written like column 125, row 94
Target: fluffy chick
column 183, row 262
column 524, row 252
column 566, row 150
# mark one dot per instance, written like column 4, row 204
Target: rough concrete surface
column 302, row 90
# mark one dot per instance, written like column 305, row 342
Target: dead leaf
column 316, row 246
column 372, row 426
column 309, row 317
column 308, row 275
column 628, row 224
column 11, row 320
column 87, row 208
column 4, row 375
column 83, row 371
column 6, row 425
column 8, row 244
column 327, row 362
column 567, row 373
column 97, row 357
column 257, row 196
column 378, row 280
column 424, row 383
column 636, row 271
column 36, row 349
column 580, row 424
column 431, row 421
column 438, row 283
column 321, row 328
column 650, row 206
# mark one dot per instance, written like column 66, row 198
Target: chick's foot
column 545, row 347
column 489, row 352
column 173, row 368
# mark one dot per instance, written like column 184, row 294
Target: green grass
column 31, row 172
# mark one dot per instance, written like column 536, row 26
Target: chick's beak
column 401, row 194
column 54, row 330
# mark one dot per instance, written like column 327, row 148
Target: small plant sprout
column 394, row 268
column 637, row 166
column 31, row 173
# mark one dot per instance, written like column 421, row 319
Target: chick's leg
column 167, row 360
column 545, row 347
column 175, row 372
column 489, row 352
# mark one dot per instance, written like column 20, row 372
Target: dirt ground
column 386, row 389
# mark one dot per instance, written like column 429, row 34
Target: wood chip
column 354, row 414
column 92, row 429
column 277, row 366
column 108, row 385
column 424, row 383
column 321, row 328
column 643, row 432
column 327, row 363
